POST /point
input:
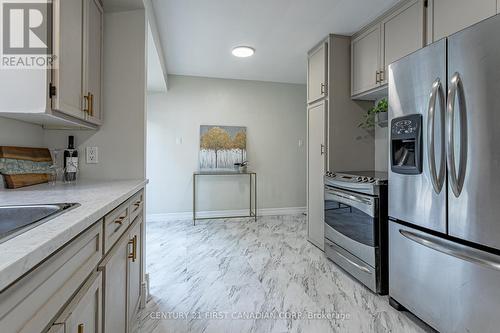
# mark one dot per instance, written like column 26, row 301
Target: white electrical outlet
column 92, row 155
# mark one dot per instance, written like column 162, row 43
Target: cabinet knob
column 80, row 328
column 323, row 88
column 377, row 77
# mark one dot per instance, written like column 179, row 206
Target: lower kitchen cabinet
column 134, row 268
column 316, row 167
column 90, row 285
column 31, row 304
column 84, row 313
column 114, row 268
column 122, row 280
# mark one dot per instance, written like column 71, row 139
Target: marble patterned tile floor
column 238, row 275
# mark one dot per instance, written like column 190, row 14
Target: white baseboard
column 215, row 213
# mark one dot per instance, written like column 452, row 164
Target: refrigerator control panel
column 406, row 145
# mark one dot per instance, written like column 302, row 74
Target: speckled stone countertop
column 96, row 198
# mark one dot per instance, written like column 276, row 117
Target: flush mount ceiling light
column 243, row 51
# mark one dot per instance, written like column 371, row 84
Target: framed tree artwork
column 222, row 146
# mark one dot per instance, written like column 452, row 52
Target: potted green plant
column 375, row 115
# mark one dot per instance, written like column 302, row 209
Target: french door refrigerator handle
column 453, row 249
column 437, row 179
column 456, row 90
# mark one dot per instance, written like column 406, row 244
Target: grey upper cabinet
column 403, row 33
column 317, row 67
column 93, row 60
column 446, row 17
column 67, row 92
column 68, row 51
column 396, row 34
column 365, row 61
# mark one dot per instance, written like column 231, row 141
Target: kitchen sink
column 15, row 220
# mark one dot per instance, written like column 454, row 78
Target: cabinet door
column 365, row 61
column 68, row 50
column 134, row 268
column 450, row 16
column 84, row 313
column 317, row 73
column 403, row 33
column 93, row 46
column 316, row 167
column 115, row 288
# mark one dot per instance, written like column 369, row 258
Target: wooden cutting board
column 23, row 175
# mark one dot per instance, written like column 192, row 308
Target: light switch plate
column 92, row 155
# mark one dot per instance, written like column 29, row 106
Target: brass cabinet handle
column 382, row 75
column 377, row 77
column 87, row 103
column 80, row 328
column 322, row 88
column 133, row 242
column 91, row 107
column 120, row 219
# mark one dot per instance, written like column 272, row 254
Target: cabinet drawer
column 84, row 312
column 136, row 205
column 32, row 302
column 115, row 224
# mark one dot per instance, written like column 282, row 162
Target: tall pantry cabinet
column 334, row 140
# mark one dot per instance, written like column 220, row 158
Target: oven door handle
column 363, row 204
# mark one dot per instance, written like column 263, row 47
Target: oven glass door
column 352, row 214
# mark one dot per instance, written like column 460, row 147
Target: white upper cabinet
column 403, row 33
column 365, row 61
column 446, row 17
column 92, row 68
column 395, row 35
column 317, row 67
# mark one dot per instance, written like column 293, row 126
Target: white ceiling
column 197, row 35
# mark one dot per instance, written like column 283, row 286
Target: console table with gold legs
column 252, row 178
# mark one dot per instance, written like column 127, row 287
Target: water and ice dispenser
column 406, row 145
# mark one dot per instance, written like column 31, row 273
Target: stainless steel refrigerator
column 444, row 181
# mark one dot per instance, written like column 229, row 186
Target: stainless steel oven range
column 356, row 225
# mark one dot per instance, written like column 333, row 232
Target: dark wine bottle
column 70, row 161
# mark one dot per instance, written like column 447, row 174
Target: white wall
column 121, row 140
column 18, row 133
column 275, row 117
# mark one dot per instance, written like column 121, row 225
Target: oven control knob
column 359, row 179
column 371, row 180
